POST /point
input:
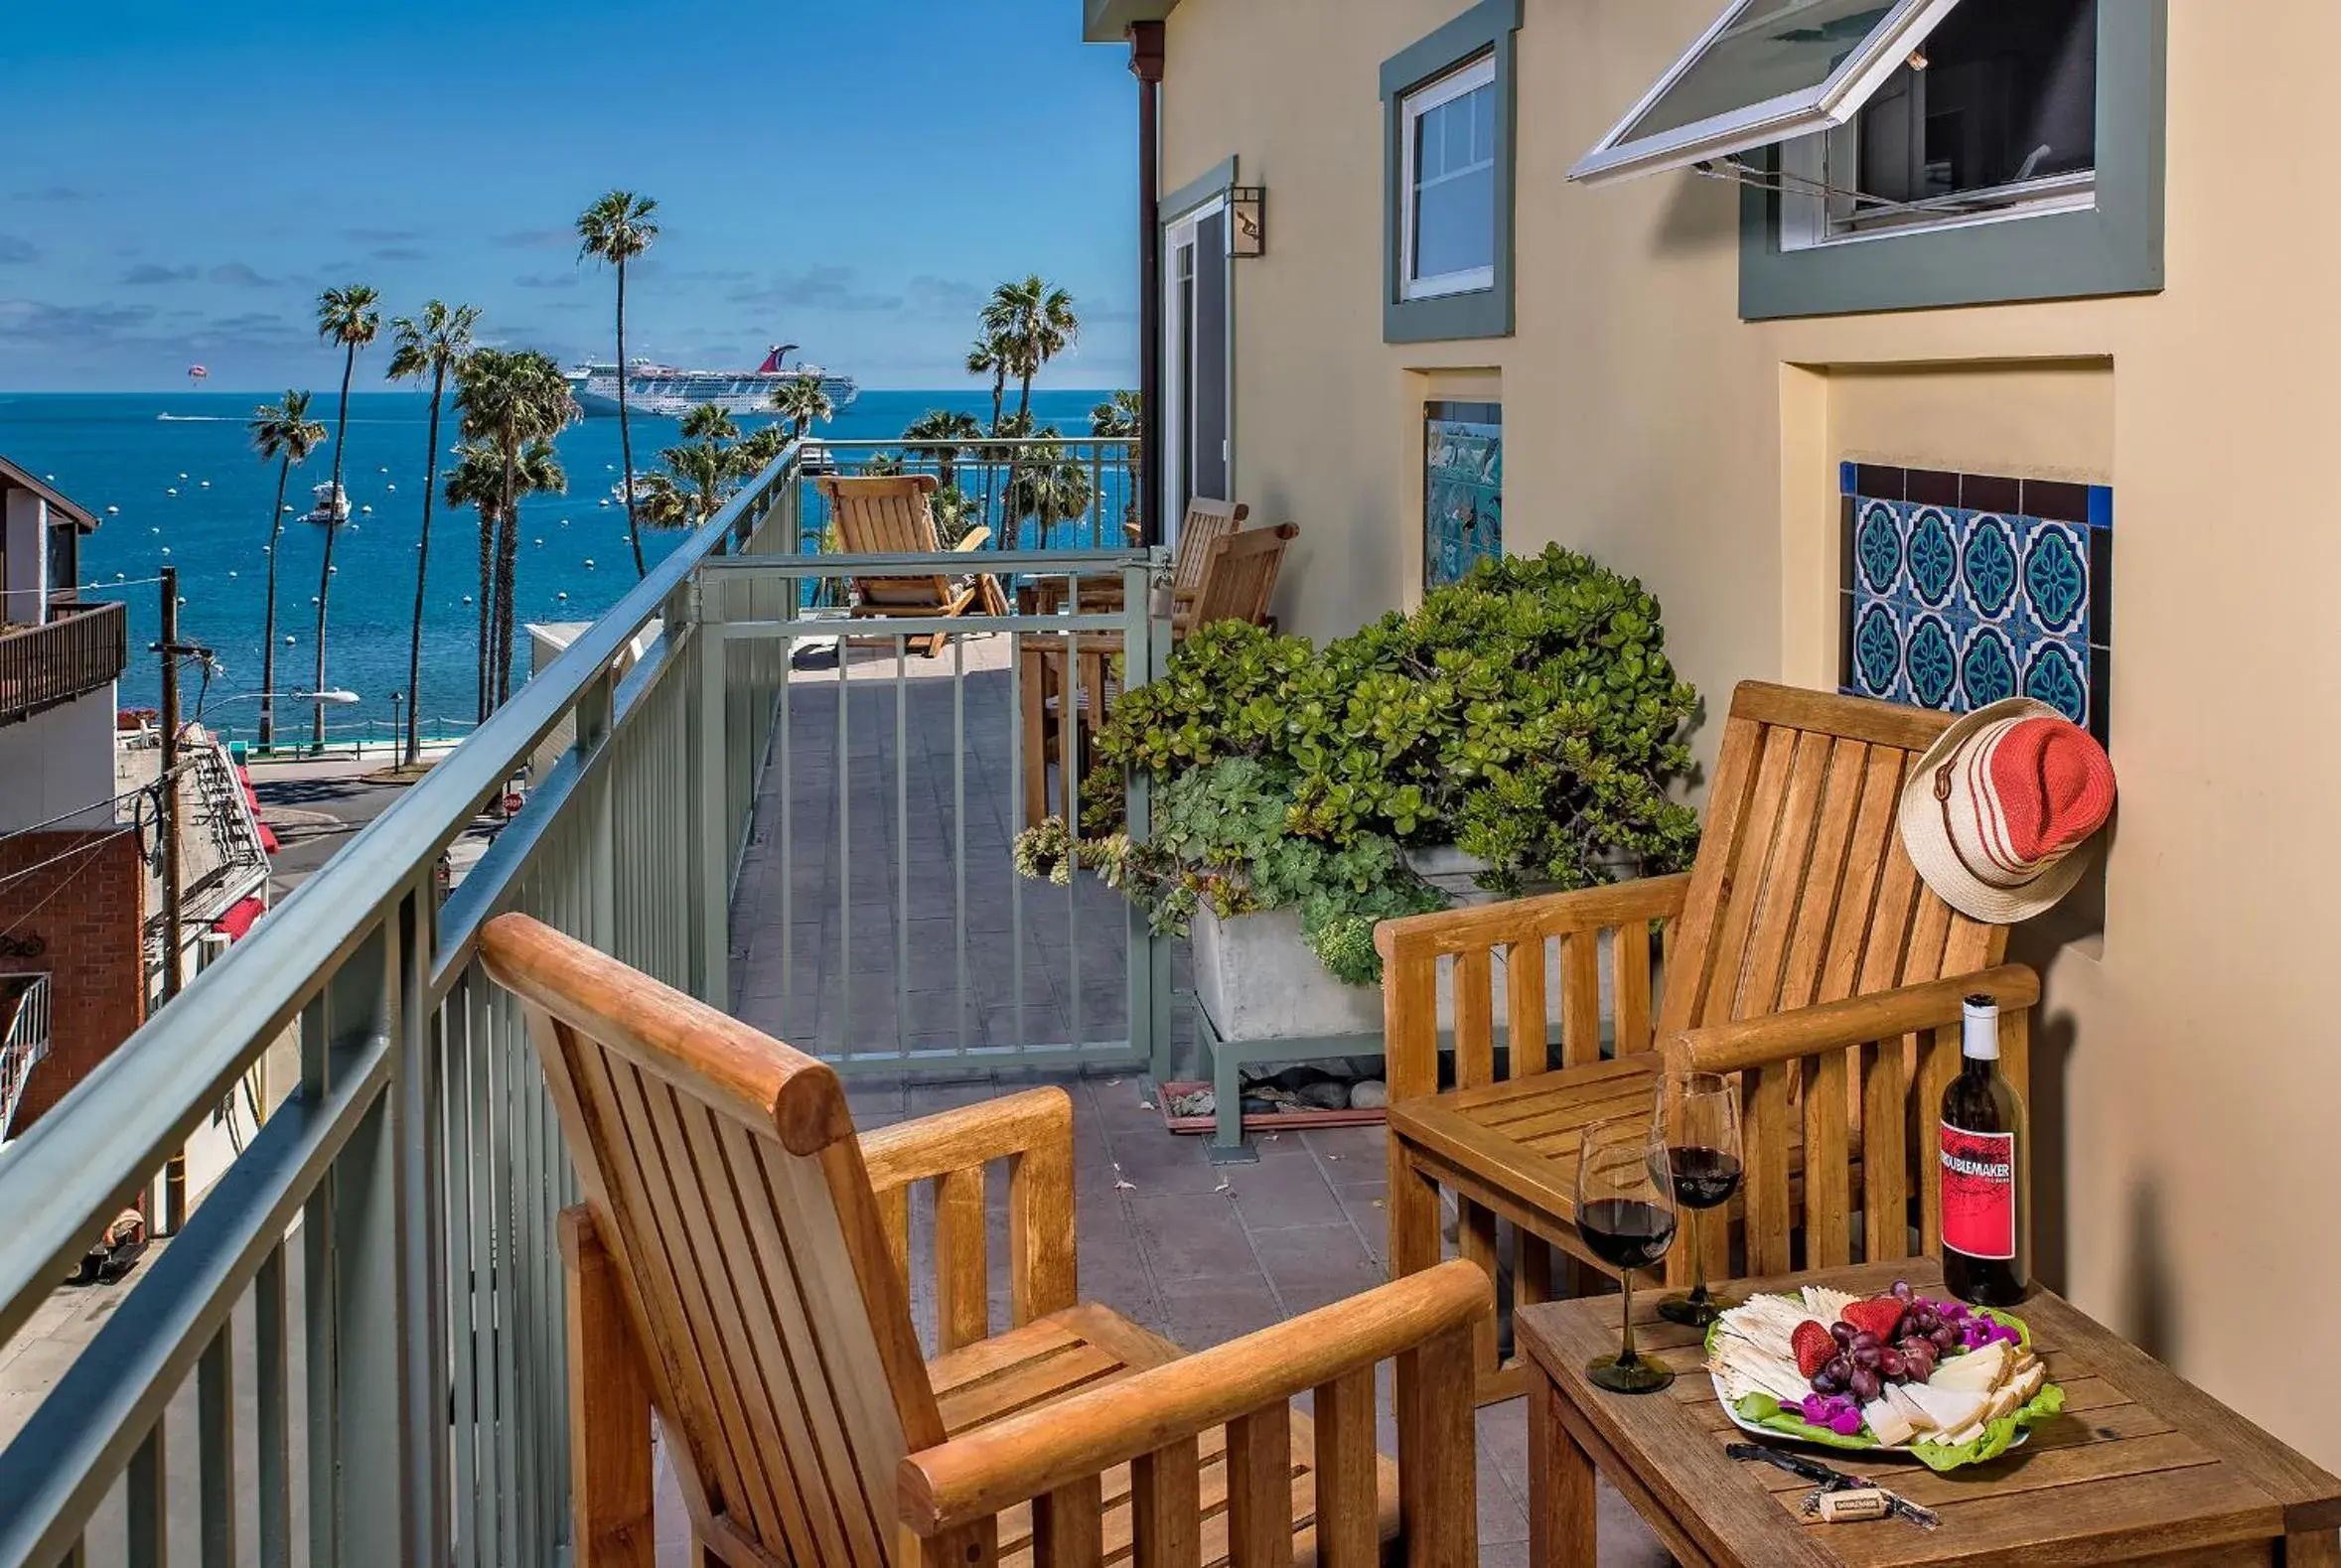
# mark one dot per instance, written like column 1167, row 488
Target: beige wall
column 2194, row 1075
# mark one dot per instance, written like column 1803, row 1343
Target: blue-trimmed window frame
column 1485, row 30
column 2113, row 247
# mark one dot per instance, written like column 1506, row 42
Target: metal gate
column 877, row 919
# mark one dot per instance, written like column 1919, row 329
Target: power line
column 90, row 848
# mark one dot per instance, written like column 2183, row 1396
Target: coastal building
column 2024, row 316
column 81, row 927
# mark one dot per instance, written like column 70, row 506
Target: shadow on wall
column 2072, row 932
column 1700, row 215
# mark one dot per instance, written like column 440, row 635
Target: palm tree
column 802, row 402
column 285, row 434
column 537, row 472
column 1051, row 489
column 941, row 433
column 708, row 422
column 510, row 399
column 1033, row 322
column 758, row 448
column 476, row 479
column 432, row 346
column 706, row 468
column 664, row 502
column 345, row 316
column 987, row 359
column 1118, row 419
column 616, row 228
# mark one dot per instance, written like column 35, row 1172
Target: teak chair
column 892, row 515
column 1801, row 952
column 1207, row 522
column 740, row 1263
column 1240, row 576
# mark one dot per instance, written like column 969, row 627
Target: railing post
column 1148, row 961
column 366, row 1497
column 420, row 1259
column 709, row 774
column 594, row 714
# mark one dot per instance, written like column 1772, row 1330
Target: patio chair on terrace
column 741, row 1264
column 893, row 515
column 1802, row 952
column 1206, row 524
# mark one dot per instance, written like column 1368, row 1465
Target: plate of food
column 1946, row 1383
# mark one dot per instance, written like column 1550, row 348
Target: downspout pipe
column 1146, row 64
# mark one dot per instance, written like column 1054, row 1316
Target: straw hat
column 1997, row 812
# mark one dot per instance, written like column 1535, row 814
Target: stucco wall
column 56, row 768
column 2191, row 1068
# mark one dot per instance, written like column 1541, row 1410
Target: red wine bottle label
column 1980, row 1193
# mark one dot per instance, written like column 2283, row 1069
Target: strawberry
column 1814, row 1347
column 1880, row 1315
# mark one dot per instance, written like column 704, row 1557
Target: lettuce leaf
column 1765, row 1411
column 1997, row 1435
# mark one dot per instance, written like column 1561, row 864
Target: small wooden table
column 2143, row 1467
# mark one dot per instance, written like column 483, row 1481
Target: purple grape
column 1865, row 1386
column 1902, row 1291
column 1946, row 1339
column 1838, row 1369
column 1867, row 1358
column 1843, row 1333
column 1891, row 1364
column 1866, row 1340
column 1920, row 1364
column 1824, row 1383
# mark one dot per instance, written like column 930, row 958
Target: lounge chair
column 894, row 515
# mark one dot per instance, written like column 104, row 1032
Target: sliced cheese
column 2004, row 1400
column 2027, row 1383
column 1912, row 1411
column 1960, row 1438
column 1978, row 1370
column 1888, row 1422
column 1949, row 1408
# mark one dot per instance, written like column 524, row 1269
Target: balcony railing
column 24, row 1039
column 81, row 648
column 366, row 1307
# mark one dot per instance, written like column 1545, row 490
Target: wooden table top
column 2139, row 1464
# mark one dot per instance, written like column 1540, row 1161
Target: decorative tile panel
column 1957, row 589
column 1462, row 489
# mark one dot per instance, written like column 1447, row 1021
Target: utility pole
column 167, row 817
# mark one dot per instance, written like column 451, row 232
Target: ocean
column 175, row 482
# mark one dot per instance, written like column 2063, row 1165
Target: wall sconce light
column 1248, row 232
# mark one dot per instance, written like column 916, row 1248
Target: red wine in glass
column 1698, row 1124
column 1703, row 1178
column 1626, row 1233
column 1625, row 1212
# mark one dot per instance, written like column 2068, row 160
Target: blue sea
column 175, row 482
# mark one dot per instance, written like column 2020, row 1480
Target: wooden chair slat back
column 1207, row 522
column 890, row 514
column 1240, row 578
column 723, row 1173
column 1803, row 891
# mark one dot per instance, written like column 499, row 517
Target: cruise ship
column 654, row 389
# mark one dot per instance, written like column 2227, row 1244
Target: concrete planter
column 1258, row 980
column 1451, row 871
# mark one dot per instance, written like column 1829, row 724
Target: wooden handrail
column 1832, row 1026
column 971, row 1135
column 974, row 1477
column 1489, row 926
column 80, row 649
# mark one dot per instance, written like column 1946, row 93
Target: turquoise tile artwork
column 1957, row 589
column 1462, row 490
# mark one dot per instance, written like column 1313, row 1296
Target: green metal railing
column 358, row 1337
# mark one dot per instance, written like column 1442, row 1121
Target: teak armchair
column 1802, row 952
column 740, row 1263
column 1206, row 521
column 892, row 515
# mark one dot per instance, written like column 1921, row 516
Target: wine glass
column 1699, row 1123
column 1626, row 1216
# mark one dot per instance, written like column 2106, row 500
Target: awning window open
column 1767, row 71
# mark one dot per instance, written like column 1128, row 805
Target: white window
column 1447, row 183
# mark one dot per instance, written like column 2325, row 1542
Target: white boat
column 327, row 502
column 665, row 390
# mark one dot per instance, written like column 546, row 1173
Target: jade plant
column 1527, row 715
column 1224, row 838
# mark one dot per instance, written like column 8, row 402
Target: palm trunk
column 422, row 565
column 487, row 605
column 634, row 534
column 325, row 573
column 269, row 636
column 508, row 551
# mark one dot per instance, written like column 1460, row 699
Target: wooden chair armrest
column 1427, row 1315
column 1034, row 1131
column 1834, row 1026
column 976, row 540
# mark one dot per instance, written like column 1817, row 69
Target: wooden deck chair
column 1206, row 521
column 1238, row 577
column 1801, row 951
column 740, row 1263
column 893, row 515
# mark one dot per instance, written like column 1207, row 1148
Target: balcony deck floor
column 1199, row 1253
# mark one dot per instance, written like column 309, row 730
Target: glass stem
column 1626, row 1356
column 1698, row 1261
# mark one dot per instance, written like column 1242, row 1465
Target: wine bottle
column 1983, row 1137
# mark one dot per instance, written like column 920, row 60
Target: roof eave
column 1108, row 21
column 14, row 477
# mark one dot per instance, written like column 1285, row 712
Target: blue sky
column 180, row 180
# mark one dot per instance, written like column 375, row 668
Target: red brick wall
column 83, row 910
